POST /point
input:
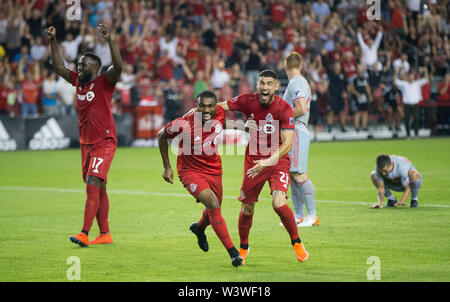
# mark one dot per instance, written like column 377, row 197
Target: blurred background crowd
column 174, row 49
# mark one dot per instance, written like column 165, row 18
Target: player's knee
column 414, row 175
column 278, row 199
column 299, row 177
column 248, row 209
column 94, row 180
column 209, row 199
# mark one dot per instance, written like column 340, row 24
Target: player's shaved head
column 293, row 61
column 88, row 66
column 206, row 104
column 94, row 57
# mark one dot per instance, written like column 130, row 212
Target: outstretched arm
column 57, row 59
column 113, row 72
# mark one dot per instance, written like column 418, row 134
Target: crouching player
column 199, row 166
column 395, row 173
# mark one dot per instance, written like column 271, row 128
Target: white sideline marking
column 129, row 192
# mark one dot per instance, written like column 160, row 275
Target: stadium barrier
column 51, row 133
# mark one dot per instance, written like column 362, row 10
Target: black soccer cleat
column 201, row 237
column 236, row 261
column 391, row 203
column 414, row 203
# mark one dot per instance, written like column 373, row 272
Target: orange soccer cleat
column 301, row 252
column 244, row 254
column 81, row 239
column 102, row 239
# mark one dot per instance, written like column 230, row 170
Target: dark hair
column 206, row 94
column 383, row 160
column 268, row 73
column 94, row 57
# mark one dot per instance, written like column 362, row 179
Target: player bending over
column 199, row 166
column 98, row 138
column 266, row 157
column 395, row 173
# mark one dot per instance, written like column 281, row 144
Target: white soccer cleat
column 297, row 221
column 308, row 222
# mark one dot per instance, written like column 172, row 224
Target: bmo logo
column 89, row 96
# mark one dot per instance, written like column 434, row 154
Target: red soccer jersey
column 95, row 120
column 198, row 145
column 271, row 120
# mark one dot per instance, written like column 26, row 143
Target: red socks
column 220, row 227
column 102, row 213
column 244, row 225
column 288, row 220
column 204, row 220
column 92, row 204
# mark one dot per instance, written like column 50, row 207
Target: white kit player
column 298, row 95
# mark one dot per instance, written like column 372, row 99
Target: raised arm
column 57, row 59
column 224, row 105
column 114, row 71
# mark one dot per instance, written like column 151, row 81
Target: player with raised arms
column 266, row 157
column 97, row 130
column 199, row 166
column 298, row 95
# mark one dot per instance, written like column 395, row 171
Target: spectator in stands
column 336, row 93
column 253, row 64
column 401, row 64
column 219, row 78
column 172, row 102
column 30, row 84
column 321, row 10
column 39, row 51
column 362, row 93
column 66, row 94
column 444, row 89
column 411, row 90
column 370, row 49
column 50, row 102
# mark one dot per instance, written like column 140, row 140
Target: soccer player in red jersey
column 98, row 136
column 266, row 157
column 199, row 166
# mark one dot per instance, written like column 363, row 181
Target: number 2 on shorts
column 284, row 178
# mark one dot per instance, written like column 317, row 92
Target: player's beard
column 84, row 77
column 266, row 99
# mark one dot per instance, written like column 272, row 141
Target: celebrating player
column 395, row 173
column 266, row 157
column 298, row 95
column 199, row 166
column 98, row 136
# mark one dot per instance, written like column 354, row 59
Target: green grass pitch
column 42, row 200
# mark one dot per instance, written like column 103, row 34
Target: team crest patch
column 193, row 187
column 269, row 118
column 92, row 86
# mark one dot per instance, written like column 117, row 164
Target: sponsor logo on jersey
column 89, row 96
column 6, row 143
column 49, row 136
column 193, row 187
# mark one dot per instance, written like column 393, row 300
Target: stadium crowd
column 172, row 50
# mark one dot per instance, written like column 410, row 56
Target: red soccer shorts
column 97, row 158
column 277, row 175
column 196, row 182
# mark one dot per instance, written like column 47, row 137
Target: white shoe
column 308, row 222
column 297, row 221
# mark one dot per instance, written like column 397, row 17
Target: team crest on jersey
column 269, row 118
column 252, row 116
column 193, row 187
column 92, row 86
column 291, row 121
column 218, row 128
column 233, row 100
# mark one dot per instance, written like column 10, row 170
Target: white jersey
column 298, row 89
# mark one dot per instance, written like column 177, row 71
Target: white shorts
column 300, row 149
